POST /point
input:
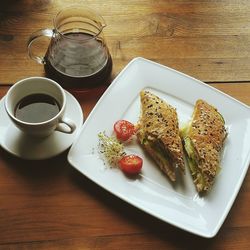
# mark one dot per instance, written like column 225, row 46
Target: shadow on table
column 33, row 170
column 9, row 5
column 178, row 238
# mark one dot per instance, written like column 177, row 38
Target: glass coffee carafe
column 77, row 55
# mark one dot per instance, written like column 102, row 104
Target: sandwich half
column 203, row 141
column 158, row 133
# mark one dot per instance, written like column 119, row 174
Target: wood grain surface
column 207, row 39
column 48, row 204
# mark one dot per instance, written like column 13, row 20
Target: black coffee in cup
column 36, row 108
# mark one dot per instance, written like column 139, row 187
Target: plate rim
column 238, row 185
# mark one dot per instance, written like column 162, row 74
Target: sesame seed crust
column 158, row 124
column 207, row 133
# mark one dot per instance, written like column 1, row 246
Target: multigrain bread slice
column 203, row 141
column 158, row 133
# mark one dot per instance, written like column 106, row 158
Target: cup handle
column 66, row 125
column 33, row 37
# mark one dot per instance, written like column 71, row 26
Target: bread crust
column 207, row 132
column 159, row 125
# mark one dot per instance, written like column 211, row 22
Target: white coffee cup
column 39, row 85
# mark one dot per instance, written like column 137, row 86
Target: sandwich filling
column 203, row 140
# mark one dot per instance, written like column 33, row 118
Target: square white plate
column 152, row 192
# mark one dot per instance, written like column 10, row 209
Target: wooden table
column 49, row 205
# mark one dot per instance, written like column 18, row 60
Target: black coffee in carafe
column 77, row 56
column 76, row 65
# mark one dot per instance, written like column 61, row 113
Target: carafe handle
column 33, row 37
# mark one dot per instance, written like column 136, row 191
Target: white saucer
column 26, row 147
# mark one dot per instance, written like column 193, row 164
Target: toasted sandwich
column 158, row 133
column 203, row 141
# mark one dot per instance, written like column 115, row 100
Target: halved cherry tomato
column 124, row 130
column 131, row 164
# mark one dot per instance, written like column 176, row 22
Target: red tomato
column 124, row 130
column 131, row 164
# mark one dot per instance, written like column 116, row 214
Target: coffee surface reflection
column 36, row 108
